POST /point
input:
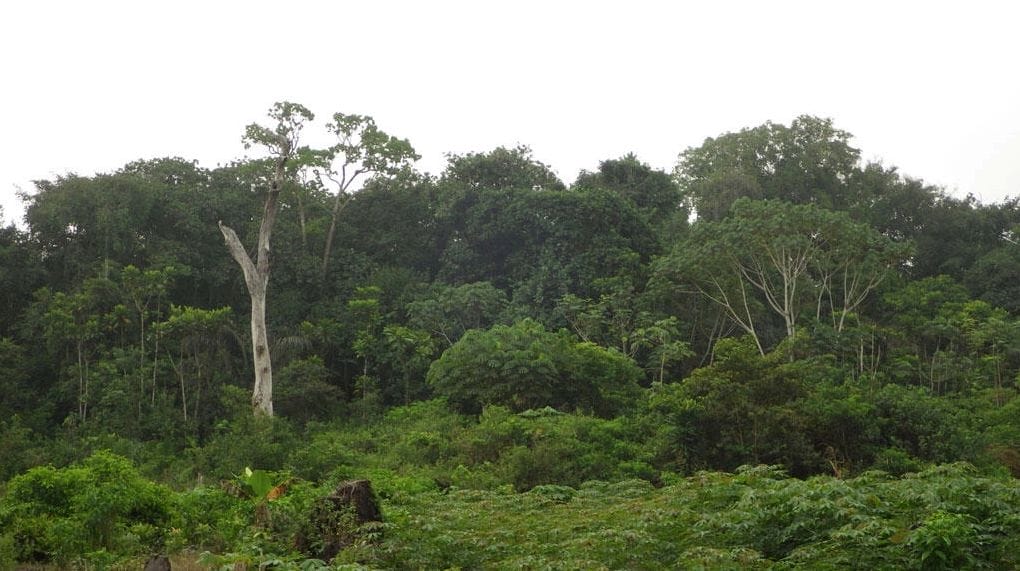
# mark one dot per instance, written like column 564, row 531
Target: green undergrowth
column 501, row 490
column 945, row 517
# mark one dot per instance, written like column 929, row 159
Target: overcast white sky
column 933, row 88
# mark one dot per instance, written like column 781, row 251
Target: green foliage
column 808, row 162
column 524, row 366
column 8, row 552
column 946, row 541
column 925, row 426
column 281, row 139
column 425, row 445
column 102, row 504
column 939, row 518
column 771, row 259
column 500, row 169
column 244, row 441
column 537, row 242
column 392, row 222
column 449, row 312
column 257, row 483
column 231, row 561
column 995, row 276
column 208, row 518
column 21, row 273
column 653, row 192
column 740, row 410
column 306, row 392
column 18, row 449
column 949, row 342
column 954, row 236
column 545, row 447
column 757, row 518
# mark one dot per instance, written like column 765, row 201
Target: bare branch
column 240, row 255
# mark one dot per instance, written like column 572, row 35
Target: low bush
column 101, row 506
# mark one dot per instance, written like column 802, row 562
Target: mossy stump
column 336, row 521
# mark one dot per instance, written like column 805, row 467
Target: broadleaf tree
column 773, row 256
column 361, row 148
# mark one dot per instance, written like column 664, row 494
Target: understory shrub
column 99, row 506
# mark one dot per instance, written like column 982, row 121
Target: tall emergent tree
column 282, row 144
column 361, row 148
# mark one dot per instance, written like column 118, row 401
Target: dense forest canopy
column 773, row 300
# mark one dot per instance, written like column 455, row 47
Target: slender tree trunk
column 328, row 248
column 184, row 393
column 155, row 361
column 338, row 206
column 83, row 387
column 303, row 223
column 141, row 362
column 198, row 384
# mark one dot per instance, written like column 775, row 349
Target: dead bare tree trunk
column 256, row 277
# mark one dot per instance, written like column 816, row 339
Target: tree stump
column 158, row 563
column 336, row 520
